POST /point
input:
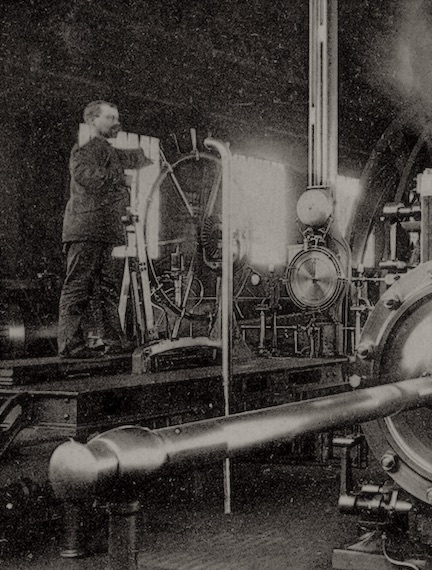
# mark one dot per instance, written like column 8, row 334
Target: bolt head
column 355, row 380
column 365, row 350
column 389, row 462
column 393, row 303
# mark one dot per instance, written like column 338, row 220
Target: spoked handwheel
column 185, row 263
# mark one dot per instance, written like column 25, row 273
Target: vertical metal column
column 323, row 122
column 227, row 306
column 426, row 228
column 227, row 295
column 333, row 84
column 323, row 94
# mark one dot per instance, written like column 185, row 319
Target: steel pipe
column 122, row 458
column 227, row 293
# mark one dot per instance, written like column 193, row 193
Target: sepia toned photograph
column 215, row 285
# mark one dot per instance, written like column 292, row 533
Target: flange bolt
column 355, row 380
column 392, row 303
column 390, row 462
column 365, row 350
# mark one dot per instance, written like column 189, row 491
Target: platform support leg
column 346, row 445
column 122, row 536
column 73, row 535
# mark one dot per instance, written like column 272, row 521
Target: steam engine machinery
column 393, row 388
column 365, row 295
column 230, row 355
column 172, row 273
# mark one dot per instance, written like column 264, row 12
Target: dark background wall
column 234, row 69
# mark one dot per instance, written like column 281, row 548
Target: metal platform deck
column 80, row 398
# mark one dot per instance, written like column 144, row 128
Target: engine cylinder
column 402, row 341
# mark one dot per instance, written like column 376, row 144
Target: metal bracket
column 11, row 427
column 347, row 444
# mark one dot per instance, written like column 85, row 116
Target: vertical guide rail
column 323, row 94
column 323, row 126
column 227, row 294
column 318, row 94
column 333, row 102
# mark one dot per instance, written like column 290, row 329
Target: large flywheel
column 403, row 151
column 396, row 344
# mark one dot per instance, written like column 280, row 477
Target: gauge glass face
column 313, row 279
column 408, row 354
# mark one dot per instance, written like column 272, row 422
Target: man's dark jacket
column 98, row 192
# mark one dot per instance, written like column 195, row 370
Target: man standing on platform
column 92, row 227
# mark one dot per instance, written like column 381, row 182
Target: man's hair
column 93, row 109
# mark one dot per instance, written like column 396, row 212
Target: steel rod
column 124, row 457
column 227, row 294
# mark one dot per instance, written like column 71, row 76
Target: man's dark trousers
column 91, row 275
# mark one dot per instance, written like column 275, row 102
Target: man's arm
column 132, row 158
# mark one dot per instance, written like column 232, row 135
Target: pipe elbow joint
column 127, row 454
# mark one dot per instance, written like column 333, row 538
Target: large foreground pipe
column 122, row 458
